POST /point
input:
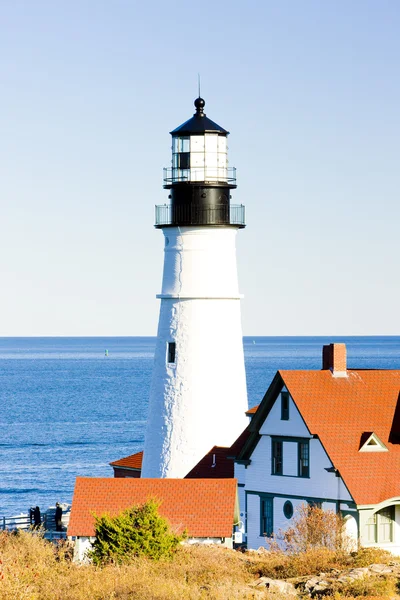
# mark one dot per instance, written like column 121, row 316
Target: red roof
column 215, row 465
column 339, row 410
column 252, row 411
column 133, row 461
column 204, row 507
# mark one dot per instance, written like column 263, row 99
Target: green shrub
column 136, row 531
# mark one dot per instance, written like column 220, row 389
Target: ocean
column 70, row 406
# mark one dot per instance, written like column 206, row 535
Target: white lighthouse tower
column 198, row 394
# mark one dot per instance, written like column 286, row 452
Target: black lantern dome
column 199, row 123
column 199, row 178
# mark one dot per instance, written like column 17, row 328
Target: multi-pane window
column 385, row 524
column 379, row 527
column 290, row 457
column 370, row 528
column 304, row 459
column 266, row 517
column 277, row 462
column 285, row 406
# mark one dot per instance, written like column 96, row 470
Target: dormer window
column 371, row 443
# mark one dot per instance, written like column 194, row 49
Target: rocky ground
column 326, row 584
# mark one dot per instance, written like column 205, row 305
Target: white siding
column 240, row 475
column 280, row 521
column 320, row 484
column 274, row 425
column 254, row 539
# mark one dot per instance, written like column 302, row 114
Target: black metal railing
column 200, row 175
column 194, row 214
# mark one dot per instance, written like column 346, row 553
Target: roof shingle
column 204, row 507
column 339, row 410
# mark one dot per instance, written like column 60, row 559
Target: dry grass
column 368, row 587
column 33, row 569
column 279, row 565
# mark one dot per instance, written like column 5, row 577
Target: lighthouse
column 198, row 394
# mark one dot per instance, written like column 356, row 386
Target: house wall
column 83, row 544
column 240, row 475
column 321, row 486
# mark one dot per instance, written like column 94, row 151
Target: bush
column 136, row 531
column 314, row 528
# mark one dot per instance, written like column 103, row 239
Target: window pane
column 222, row 147
column 197, row 143
column 183, row 144
column 211, row 142
column 277, row 459
column 184, row 160
column 304, row 460
column 385, row 522
column 266, row 516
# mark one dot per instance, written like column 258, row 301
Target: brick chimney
column 334, row 359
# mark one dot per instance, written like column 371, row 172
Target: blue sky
column 310, row 93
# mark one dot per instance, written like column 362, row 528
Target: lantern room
column 199, row 179
column 199, row 151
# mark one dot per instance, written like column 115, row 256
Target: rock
column 377, row 568
column 358, row 573
column 275, row 585
column 311, row 583
column 321, row 586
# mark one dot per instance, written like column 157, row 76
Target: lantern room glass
column 200, row 158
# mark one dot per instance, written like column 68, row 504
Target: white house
column 330, row 437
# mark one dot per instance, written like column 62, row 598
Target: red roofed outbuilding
column 206, row 508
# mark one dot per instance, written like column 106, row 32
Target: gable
column 215, row 464
column 339, row 411
column 276, row 424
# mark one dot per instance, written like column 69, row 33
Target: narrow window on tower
column 171, row 351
